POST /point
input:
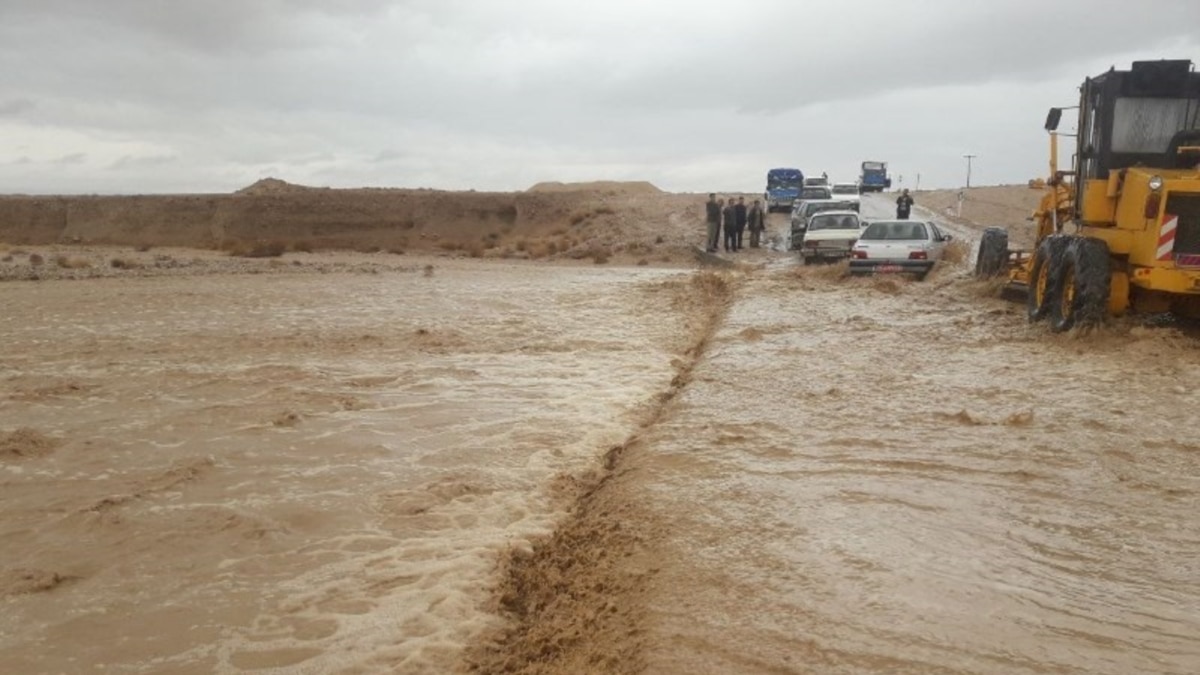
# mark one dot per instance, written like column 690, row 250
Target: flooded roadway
column 849, row 476
column 871, row 476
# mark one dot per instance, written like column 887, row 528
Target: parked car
column 806, row 209
column 898, row 246
column 830, row 235
column 847, row 191
column 815, row 192
column 816, row 181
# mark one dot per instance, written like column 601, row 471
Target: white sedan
column 846, row 191
column 898, row 246
column 830, row 236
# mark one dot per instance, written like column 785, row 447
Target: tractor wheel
column 993, row 253
column 1084, row 283
column 1044, row 276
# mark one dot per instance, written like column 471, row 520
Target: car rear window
column 833, row 222
column 895, row 231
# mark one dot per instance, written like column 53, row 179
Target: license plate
column 888, row 269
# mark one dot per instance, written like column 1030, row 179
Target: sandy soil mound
column 272, row 186
column 609, row 186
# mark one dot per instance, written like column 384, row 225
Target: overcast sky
column 146, row 96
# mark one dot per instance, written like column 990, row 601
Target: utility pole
column 969, row 158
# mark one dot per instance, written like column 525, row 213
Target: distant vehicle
column 847, row 191
column 817, row 181
column 898, row 246
column 783, row 188
column 874, row 177
column 830, row 235
column 815, row 192
column 807, row 209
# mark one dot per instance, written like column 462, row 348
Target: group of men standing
column 734, row 219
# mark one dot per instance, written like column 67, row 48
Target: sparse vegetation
column 36, row 260
column 600, row 255
column 302, row 246
column 7, row 258
column 429, row 270
column 643, row 262
column 124, row 264
column 142, row 248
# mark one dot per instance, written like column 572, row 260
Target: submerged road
column 881, row 476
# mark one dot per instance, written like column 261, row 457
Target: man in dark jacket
column 903, row 205
column 730, row 214
column 756, row 221
column 712, row 210
column 740, row 219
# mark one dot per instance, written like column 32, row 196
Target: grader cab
column 1120, row 229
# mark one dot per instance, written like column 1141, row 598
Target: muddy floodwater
column 535, row 468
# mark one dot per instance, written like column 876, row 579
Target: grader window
column 1146, row 125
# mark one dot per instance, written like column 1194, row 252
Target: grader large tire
column 1084, row 285
column 1045, row 276
column 993, row 253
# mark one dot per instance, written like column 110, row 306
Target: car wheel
column 993, row 253
column 1044, row 276
column 1085, row 282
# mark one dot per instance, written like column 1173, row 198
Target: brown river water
column 303, row 473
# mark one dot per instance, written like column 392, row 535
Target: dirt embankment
column 579, row 221
column 1007, row 206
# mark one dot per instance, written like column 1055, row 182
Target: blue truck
column 783, row 188
column 874, row 177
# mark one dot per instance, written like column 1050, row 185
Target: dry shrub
column 558, row 232
column 396, row 251
column 643, row 262
column 7, row 258
column 368, row 248
column 659, row 239
column 600, row 256
column 538, row 250
column 448, row 245
column 552, row 247
column 577, row 218
column 603, row 211
column 522, row 245
column 142, row 248
column 124, row 264
column 957, row 251
column 474, row 250
column 19, row 251
column 71, row 263
column 3, row 246
column 36, row 259
column 429, row 270
column 302, row 246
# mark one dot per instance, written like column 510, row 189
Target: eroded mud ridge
column 573, row 601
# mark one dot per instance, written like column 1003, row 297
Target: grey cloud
column 73, row 158
column 15, row 107
column 138, row 162
column 500, row 95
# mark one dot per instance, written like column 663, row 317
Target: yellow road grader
column 1120, row 230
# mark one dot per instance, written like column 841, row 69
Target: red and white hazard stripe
column 1166, row 237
